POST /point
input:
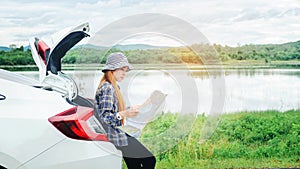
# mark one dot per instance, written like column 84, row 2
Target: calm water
column 202, row 91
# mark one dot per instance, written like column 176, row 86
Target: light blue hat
column 115, row 61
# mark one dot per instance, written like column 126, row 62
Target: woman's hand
column 131, row 112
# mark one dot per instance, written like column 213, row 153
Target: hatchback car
column 46, row 124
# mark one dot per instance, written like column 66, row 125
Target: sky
column 232, row 23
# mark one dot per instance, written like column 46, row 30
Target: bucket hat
column 115, row 61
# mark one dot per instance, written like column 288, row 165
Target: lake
column 204, row 91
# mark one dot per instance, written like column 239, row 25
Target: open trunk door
column 48, row 58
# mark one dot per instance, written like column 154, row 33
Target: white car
column 44, row 124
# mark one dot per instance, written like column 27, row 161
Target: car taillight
column 79, row 123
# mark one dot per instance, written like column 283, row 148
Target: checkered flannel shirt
column 106, row 110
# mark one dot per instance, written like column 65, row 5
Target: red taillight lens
column 79, row 123
column 43, row 50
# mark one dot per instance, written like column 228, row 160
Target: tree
column 13, row 46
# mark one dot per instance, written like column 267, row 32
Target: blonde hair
column 109, row 77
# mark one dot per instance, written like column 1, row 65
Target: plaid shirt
column 106, row 110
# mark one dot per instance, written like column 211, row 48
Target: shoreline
column 244, row 64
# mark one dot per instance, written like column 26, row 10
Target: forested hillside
column 17, row 56
column 86, row 55
column 287, row 51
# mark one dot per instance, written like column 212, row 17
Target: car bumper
column 77, row 154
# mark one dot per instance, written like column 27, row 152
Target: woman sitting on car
column 111, row 111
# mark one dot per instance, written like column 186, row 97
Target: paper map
column 148, row 111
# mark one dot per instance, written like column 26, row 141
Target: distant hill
column 26, row 47
column 137, row 46
column 4, row 48
column 122, row 47
column 89, row 46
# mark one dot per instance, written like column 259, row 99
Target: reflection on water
column 215, row 73
column 246, row 89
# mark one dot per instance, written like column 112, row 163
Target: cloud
column 223, row 22
column 148, row 28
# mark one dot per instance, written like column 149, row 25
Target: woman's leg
column 136, row 155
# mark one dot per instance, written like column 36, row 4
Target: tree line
column 268, row 52
column 16, row 56
column 195, row 54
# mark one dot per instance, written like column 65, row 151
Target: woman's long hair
column 109, row 77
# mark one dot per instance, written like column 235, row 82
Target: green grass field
column 268, row 139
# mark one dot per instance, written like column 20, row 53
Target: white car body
column 47, row 126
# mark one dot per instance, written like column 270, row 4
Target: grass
column 268, row 139
column 228, row 163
